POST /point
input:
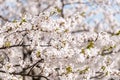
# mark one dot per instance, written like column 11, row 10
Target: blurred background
column 95, row 12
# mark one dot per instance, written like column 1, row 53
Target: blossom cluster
column 56, row 49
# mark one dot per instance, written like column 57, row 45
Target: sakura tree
column 59, row 40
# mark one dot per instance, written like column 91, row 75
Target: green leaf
column 83, row 51
column 7, row 44
column 58, row 9
column 66, row 30
column 8, row 67
column 84, row 70
column 38, row 54
column 14, row 21
column 106, row 73
column 103, row 68
column 83, row 14
column 23, row 20
column 52, row 13
column 118, row 33
column 90, row 45
column 68, row 69
column 108, row 48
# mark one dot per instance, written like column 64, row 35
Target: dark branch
column 99, row 76
column 41, row 60
column 77, row 3
column 62, row 10
column 22, row 74
column 104, row 52
column 48, row 7
column 5, row 19
column 77, row 31
column 4, row 47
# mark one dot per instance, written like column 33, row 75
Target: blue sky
column 100, row 16
column 92, row 7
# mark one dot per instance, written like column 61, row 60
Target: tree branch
column 62, row 10
column 5, row 19
column 4, row 47
column 77, row 3
column 41, row 60
column 77, row 31
column 22, row 74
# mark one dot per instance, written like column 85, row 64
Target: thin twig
column 77, row 3
column 101, row 75
column 41, row 60
column 77, row 31
column 48, row 7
